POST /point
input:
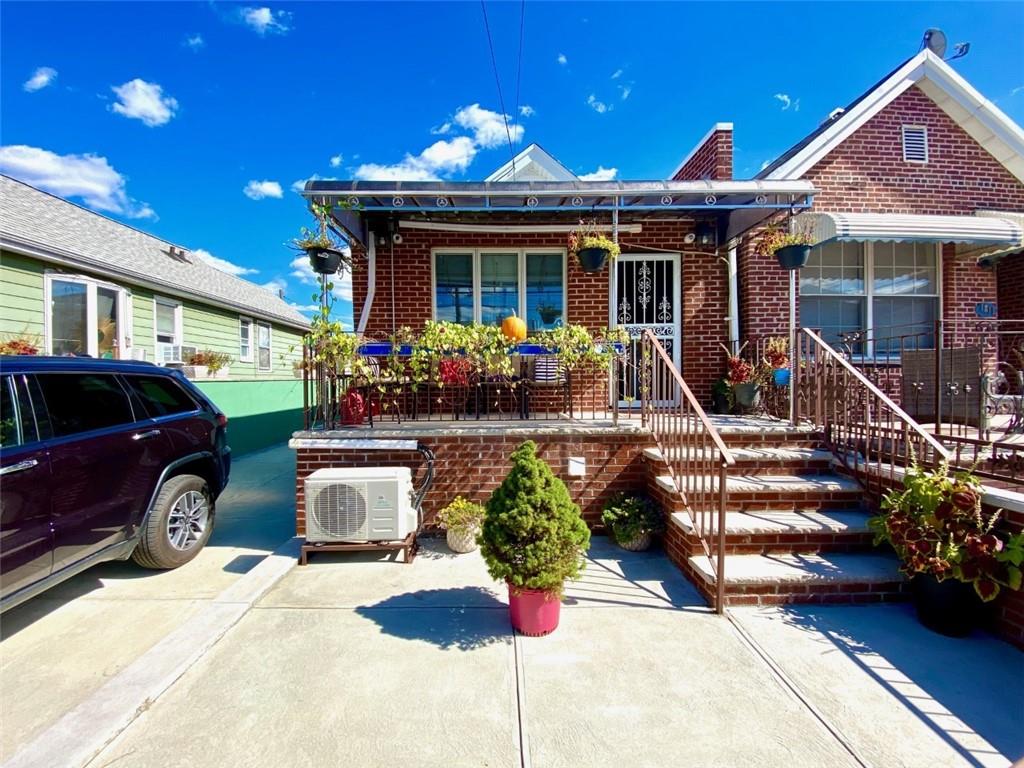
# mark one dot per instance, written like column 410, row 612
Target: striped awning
column 981, row 230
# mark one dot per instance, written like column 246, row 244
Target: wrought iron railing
column 697, row 457
column 864, row 427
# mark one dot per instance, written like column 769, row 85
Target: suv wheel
column 179, row 524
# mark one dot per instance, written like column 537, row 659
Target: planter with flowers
column 21, row 345
column 792, row 249
column 207, row 364
column 326, row 251
column 744, row 379
column 953, row 552
column 461, row 522
column 632, row 521
column 592, row 249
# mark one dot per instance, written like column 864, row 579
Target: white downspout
column 734, row 304
column 371, row 283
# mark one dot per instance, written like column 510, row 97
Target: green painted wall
column 21, row 297
column 252, row 424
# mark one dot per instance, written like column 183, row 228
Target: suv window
column 80, row 402
column 160, row 395
column 10, row 434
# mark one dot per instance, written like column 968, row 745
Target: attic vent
column 915, row 144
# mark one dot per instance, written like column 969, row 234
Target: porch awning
column 979, row 230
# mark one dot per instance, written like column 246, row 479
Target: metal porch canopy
column 979, row 230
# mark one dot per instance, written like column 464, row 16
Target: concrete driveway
column 61, row 647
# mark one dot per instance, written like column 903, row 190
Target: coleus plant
column 936, row 525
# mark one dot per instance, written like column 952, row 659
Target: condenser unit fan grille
column 339, row 510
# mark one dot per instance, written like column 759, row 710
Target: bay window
column 488, row 285
column 891, row 289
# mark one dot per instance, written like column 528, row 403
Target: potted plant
column 20, row 345
column 218, row 364
column 326, row 251
column 592, row 248
column 548, row 314
column 792, row 249
column 953, row 553
column 195, row 367
column 461, row 522
column 721, row 396
column 776, row 356
column 632, row 519
column 741, row 376
column 533, row 538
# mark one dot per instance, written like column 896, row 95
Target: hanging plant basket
column 793, row 256
column 324, row 261
column 592, row 259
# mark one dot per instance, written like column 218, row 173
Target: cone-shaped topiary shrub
column 533, row 536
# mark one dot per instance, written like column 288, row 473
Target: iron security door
column 646, row 295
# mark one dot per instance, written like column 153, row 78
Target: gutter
column 371, row 283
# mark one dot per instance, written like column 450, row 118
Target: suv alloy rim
column 187, row 521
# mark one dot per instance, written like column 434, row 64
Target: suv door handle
column 21, row 466
column 146, row 435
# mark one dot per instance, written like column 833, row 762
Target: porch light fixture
column 705, row 231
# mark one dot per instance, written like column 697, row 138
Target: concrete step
column 765, row 492
column 791, row 578
column 761, row 459
column 786, row 531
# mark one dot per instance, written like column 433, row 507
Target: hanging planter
column 793, row 256
column 325, row 251
column 791, row 249
column 324, row 261
column 592, row 249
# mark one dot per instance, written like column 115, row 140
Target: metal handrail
column 697, row 456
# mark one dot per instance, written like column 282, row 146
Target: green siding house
column 75, row 282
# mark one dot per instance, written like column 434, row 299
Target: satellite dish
column 935, row 41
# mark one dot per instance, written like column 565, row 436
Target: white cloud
column 300, row 184
column 562, row 60
column 264, row 20
column 1015, row 91
column 336, row 160
column 257, row 190
column 195, row 42
column 87, row 177
column 223, row 264
column 601, row 174
column 451, row 155
column 144, row 101
column 488, row 127
column 599, row 106
column 442, row 129
column 406, row 170
column 626, row 90
column 41, row 78
column 787, row 102
column 616, row 74
column 527, row 111
column 277, row 286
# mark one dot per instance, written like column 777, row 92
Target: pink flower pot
column 533, row 611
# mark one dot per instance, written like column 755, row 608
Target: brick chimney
column 711, row 159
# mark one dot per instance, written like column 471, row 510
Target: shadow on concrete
column 967, row 690
column 460, row 618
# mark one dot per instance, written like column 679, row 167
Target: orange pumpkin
column 513, row 328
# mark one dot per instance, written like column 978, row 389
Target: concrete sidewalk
column 61, row 647
column 352, row 661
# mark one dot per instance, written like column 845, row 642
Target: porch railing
column 697, row 457
column 863, row 426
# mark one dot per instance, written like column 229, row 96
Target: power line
column 497, row 80
column 519, row 70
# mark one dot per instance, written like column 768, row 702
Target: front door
column 646, row 295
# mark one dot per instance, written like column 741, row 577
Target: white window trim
column 270, row 346
column 252, row 340
column 869, row 292
column 179, row 332
column 520, row 253
column 903, row 143
column 124, row 331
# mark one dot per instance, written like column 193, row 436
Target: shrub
column 460, row 515
column 533, row 535
column 629, row 515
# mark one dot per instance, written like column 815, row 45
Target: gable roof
column 980, row 118
column 532, row 164
column 48, row 227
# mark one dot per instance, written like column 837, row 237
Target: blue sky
column 193, row 120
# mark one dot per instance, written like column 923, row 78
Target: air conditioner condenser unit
column 359, row 504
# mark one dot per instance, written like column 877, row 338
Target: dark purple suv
column 102, row 460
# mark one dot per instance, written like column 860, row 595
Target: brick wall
column 1008, row 619
column 473, row 466
column 712, row 159
column 704, row 289
column 866, row 173
column 1009, row 279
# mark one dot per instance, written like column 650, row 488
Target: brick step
column 795, row 578
column 748, row 493
column 789, row 530
column 763, row 459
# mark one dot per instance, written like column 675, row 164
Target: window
column 891, row 288
column 10, row 428
column 244, row 340
column 915, row 144
column 167, row 327
column 487, row 286
column 84, row 402
column 85, row 317
column 263, row 361
column 160, row 395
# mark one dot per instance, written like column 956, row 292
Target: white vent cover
column 359, row 504
column 915, row 144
